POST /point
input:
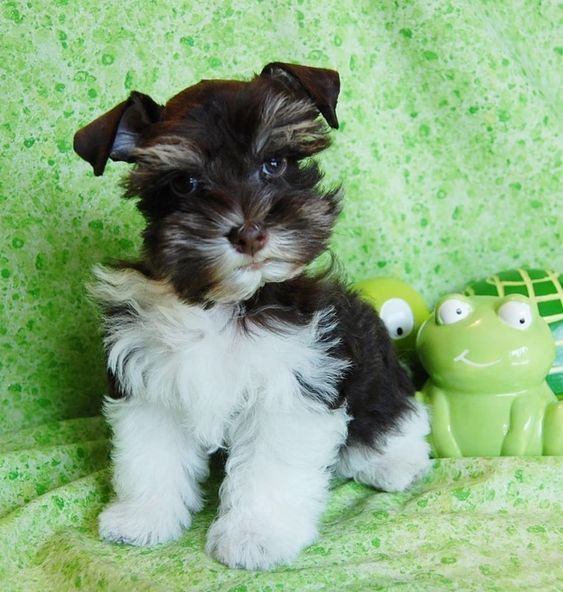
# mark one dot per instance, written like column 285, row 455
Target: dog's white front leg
column 157, row 468
column 276, row 484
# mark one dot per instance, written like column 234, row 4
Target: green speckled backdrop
column 449, row 150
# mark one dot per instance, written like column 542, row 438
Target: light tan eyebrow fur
column 290, row 123
column 170, row 153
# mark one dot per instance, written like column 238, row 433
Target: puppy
column 218, row 338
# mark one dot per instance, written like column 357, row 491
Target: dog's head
column 224, row 179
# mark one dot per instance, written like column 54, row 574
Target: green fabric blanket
column 473, row 524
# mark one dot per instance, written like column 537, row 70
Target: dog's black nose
column 248, row 239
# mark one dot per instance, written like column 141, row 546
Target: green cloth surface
column 472, row 524
column 450, row 157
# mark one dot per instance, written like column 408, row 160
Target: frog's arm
column 553, row 429
column 524, row 431
column 441, row 438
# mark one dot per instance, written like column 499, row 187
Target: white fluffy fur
column 157, row 470
column 197, row 382
column 395, row 462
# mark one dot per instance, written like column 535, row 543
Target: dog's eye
column 184, row 184
column 273, row 167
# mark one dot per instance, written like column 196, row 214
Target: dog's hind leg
column 157, row 470
column 395, row 460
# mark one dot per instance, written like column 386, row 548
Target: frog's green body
column 499, row 425
column 487, row 389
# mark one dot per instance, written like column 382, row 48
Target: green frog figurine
column 487, row 358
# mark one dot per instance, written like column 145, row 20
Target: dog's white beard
column 242, row 283
column 238, row 277
column 238, row 286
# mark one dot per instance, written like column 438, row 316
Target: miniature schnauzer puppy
column 218, row 338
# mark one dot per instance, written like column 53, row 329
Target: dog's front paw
column 250, row 544
column 137, row 524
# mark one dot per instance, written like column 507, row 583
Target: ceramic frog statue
column 487, row 358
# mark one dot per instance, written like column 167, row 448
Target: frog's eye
column 453, row 310
column 516, row 314
column 398, row 318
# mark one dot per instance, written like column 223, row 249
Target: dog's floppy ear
column 116, row 133
column 319, row 84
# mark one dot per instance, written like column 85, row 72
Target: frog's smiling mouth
column 463, row 358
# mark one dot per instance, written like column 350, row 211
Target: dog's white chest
column 204, row 363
